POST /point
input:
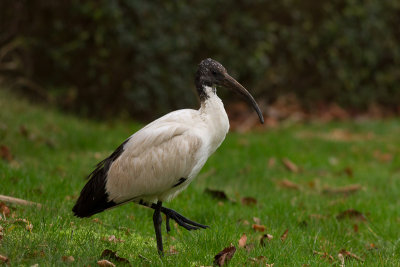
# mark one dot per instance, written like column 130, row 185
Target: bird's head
column 211, row 74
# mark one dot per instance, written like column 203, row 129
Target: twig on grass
column 19, row 201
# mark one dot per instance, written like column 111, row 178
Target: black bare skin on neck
column 210, row 73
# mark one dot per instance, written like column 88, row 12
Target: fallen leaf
column 351, row 214
column 258, row 227
column 5, row 153
column 216, row 194
column 248, row 201
column 68, row 259
column 242, row 241
column 325, row 255
column 284, row 235
column 290, row 165
column 4, row 209
column 257, row 220
column 371, row 246
column 348, row 171
column 4, row 259
column 172, row 250
column 355, row 228
column 345, row 190
column 105, row 263
column 265, row 238
column 224, row 256
column 288, row 184
column 112, row 255
column 350, row 254
column 383, row 157
column 271, row 162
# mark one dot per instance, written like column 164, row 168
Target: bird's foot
column 181, row 220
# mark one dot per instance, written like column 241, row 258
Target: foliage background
column 102, row 58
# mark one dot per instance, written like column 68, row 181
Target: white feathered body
column 175, row 146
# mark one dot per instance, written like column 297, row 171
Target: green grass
column 54, row 152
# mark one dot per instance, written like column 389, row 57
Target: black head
column 211, row 73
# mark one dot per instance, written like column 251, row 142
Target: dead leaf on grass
column 290, row 165
column 105, row 263
column 371, row 246
column 172, row 250
column 383, row 157
column 112, row 255
column 345, row 190
column 271, row 162
column 68, row 259
column 224, row 256
column 257, row 220
column 284, row 235
column 351, row 214
column 4, row 209
column 242, row 241
column 288, row 184
column 5, row 153
column 258, row 227
column 350, row 254
column 218, row 194
column 265, row 238
column 4, row 259
column 249, row 201
column 325, row 255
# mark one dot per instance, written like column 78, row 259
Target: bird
column 160, row 160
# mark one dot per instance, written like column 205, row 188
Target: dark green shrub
column 103, row 57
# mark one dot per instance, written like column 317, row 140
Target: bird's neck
column 213, row 113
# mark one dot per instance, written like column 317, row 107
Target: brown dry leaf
column 257, row 220
column 288, row 184
column 271, row 162
column 355, row 228
column 5, row 153
column 105, row 263
column 248, row 201
column 345, row 190
column 325, row 255
column 4, row 209
column 265, row 238
column 350, row 254
column 383, row 157
column 284, row 235
column 258, row 227
column 68, row 259
column 216, row 194
column 172, row 250
column 112, row 255
column 224, row 256
column 290, row 165
column 242, row 241
column 351, row 214
column 371, row 246
column 4, row 259
column 348, row 171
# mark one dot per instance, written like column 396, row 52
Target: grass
column 53, row 152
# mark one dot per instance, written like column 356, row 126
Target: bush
column 103, row 57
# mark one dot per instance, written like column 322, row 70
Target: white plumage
column 174, row 146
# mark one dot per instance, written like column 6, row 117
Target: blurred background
column 104, row 59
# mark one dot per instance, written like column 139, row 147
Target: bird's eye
column 214, row 72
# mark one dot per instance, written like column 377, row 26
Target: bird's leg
column 157, row 220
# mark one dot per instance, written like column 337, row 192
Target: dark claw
column 181, row 220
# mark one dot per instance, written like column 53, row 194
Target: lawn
column 335, row 187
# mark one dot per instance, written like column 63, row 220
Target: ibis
column 160, row 160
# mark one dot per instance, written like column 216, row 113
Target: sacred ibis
column 160, row 160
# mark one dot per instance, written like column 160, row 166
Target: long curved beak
column 231, row 83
